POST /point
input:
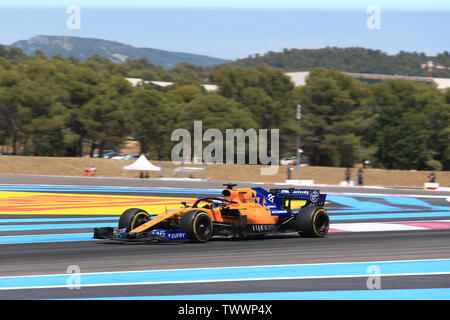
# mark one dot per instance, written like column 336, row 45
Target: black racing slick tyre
column 312, row 222
column 198, row 225
column 133, row 218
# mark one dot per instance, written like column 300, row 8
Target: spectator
column 360, row 177
column 93, row 171
column 289, row 173
column 348, row 176
column 86, row 171
column 432, row 178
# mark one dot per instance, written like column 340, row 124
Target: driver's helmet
column 215, row 203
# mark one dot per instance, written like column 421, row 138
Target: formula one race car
column 242, row 212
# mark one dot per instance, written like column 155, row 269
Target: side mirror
column 184, row 203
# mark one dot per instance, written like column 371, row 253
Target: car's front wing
column 152, row 235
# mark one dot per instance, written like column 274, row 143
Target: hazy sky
column 402, row 5
column 234, row 29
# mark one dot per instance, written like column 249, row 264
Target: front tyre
column 312, row 222
column 133, row 218
column 198, row 225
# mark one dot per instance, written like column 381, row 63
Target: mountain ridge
column 83, row 48
column 349, row 59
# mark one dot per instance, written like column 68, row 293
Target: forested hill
column 358, row 60
column 83, row 48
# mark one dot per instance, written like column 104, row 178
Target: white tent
column 142, row 164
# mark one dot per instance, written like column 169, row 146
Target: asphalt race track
column 395, row 241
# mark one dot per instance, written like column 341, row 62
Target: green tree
column 335, row 115
column 13, row 114
column 149, row 120
column 411, row 131
column 402, row 145
column 104, row 116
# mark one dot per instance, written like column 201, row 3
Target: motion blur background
column 77, row 79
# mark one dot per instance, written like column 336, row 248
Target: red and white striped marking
column 430, row 66
column 390, row 226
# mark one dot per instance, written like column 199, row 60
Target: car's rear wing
column 278, row 201
column 312, row 197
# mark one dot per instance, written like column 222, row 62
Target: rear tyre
column 133, row 218
column 312, row 222
column 198, row 225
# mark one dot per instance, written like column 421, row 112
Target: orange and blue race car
column 243, row 212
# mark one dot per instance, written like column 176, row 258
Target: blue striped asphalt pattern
column 94, row 224
column 88, row 236
column 357, row 205
column 378, row 216
column 410, row 201
column 391, row 294
column 41, row 238
column 85, row 225
column 108, row 189
column 32, row 227
column 336, row 215
column 230, row 274
column 370, row 206
column 36, row 220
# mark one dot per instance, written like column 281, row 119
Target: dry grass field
column 114, row 168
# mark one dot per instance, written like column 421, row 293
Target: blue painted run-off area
column 363, row 269
column 392, row 294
